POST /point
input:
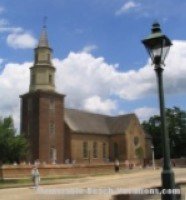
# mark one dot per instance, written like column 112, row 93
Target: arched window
column 104, row 150
column 33, row 78
column 48, row 57
column 136, row 140
column 52, row 104
column 36, row 58
column 52, row 128
column 85, row 150
column 50, row 78
column 116, row 150
column 53, row 155
column 30, row 105
column 95, row 150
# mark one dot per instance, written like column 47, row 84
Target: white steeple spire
column 43, row 40
column 42, row 73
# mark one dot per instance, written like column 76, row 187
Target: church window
column 95, row 150
column 52, row 128
column 29, row 105
column 104, row 150
column 33, row 78
column 50, row 78
column 116, row 150
column 48, row 57
column 53, row 155
column 85, row 150
column 52, row 104
column 36, row 58
column 136, row 140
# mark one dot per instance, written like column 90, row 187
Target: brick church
column 57, row 134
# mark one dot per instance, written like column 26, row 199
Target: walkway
column 142, row 179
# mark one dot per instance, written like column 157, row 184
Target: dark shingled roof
column 85, row 122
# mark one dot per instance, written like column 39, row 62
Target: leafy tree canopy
column 13, row 148
column 176, row 127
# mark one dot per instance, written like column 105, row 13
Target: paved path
column 141, row 179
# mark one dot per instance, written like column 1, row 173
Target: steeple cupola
column 42, row 73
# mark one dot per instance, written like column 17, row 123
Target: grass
column 10, row 183
column 15, row 183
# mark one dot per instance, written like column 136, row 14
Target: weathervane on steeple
column 43, row 40
column 44, row 21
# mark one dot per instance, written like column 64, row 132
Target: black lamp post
column 158, row 45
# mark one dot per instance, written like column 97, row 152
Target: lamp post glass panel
column 158, row 45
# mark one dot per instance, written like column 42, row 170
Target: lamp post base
column 168, row 184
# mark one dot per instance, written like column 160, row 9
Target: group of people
column 127, row 164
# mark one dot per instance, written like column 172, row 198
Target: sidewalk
column 142, row 179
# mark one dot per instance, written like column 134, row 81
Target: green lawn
column 13, row 183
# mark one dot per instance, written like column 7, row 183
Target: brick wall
column 24, row 171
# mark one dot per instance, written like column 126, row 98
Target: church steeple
column 43, row 41
column 43, row 72
column 42, row 108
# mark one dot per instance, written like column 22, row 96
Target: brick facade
column 36, row 118
column 77, row 140
column 118, row 146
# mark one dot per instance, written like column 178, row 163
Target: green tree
column 12, row 147
column 176, row 123
column 176, row 126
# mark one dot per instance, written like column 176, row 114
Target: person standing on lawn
column 35, row 177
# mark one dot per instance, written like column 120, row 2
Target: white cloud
column 21, row 40
column 103, row 79
column 90, row 82
column 10, row 29
column 130, row 5
column 17, row 37
column 2, row 9
column 89, row 48
column 96, row 104
column 5, row 27
column 144, row 113
column 14, row 81
column 3, row 22
column 175, row 69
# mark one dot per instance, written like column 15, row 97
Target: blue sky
column 96, row 44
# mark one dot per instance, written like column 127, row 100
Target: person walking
column 116, row 165
column 35, row 177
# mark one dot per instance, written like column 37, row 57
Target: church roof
column 85, row 122
column 43, row 40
